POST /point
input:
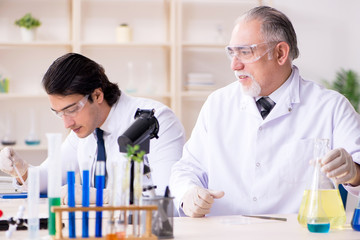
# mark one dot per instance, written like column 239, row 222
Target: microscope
column 145, row 127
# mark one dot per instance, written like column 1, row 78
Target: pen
column 267, row 217
column 100, row 184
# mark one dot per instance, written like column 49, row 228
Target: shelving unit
column 204, row 29
column 171, row 38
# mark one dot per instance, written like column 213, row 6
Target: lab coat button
column 258, row 164
column 260, row 128
column 254, row 199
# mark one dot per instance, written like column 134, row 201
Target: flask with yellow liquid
column 327, row 192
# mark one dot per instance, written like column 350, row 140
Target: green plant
column 348, row 84
column 134, row 153
column 28, row 21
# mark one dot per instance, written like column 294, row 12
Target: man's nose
column 236, row 64
column 68, row 121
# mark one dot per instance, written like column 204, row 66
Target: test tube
column 100, row 184
column 71, row 199
column 33, row 202
column 54, row 176
column 85, row 201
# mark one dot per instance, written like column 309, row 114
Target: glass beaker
column 329, row 195
column 355, row 221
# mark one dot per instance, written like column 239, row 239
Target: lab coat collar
column 289, row 98
column 285, row 104
column 109, row 126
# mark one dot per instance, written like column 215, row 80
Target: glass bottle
column 32, row 138
column 131, row 86
column 9, row 135
column 327, row 192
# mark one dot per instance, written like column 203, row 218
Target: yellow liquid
column 332, row 205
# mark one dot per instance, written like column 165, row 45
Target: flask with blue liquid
column 317, row 220
column 355, row 221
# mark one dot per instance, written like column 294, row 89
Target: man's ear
column 282, row 52
column 98, row 95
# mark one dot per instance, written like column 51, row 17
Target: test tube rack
column 146, row 236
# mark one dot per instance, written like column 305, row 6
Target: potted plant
column 347, row 83
column 135, row 157
column 28, row 25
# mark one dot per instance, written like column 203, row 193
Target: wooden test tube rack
column 147, row 235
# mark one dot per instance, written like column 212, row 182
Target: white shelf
column 24, row 147
column 18, row 96
column 35, row 44
column 132, row 44
column 176, row 36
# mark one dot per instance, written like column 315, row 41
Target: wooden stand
column 147, row 235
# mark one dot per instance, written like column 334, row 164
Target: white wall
column 328, row 34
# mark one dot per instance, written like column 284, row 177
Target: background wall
column 328, row 34
column 328, row 39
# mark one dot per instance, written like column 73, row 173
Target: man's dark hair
column 76, row 74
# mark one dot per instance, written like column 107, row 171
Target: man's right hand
column 9, row 159
column 197, row 201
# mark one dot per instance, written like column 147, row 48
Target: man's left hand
column 339, row 165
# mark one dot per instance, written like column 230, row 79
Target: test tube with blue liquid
column 317, row 220
column 71, row 198
column 85, row 201
column 100, row 184
column 54, row 176
column 355, row 221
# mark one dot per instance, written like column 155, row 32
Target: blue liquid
column 100, row 184
column 85, row 203
column 32, row 142
column 355, row 221
column 71, row 202
column 318, row 227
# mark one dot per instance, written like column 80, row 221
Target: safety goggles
column 72, row 110
column 249, row 53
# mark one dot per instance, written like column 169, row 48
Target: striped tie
column 265, row 105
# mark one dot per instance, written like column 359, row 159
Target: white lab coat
column 164, row 151
column 263, row 165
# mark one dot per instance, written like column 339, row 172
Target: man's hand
column 339, row 165
column 197, row 201
column 10, row 161
column 78, row 195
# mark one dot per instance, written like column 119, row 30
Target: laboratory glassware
column 131, row 86
column 54, row 182
column 32, row 138
column 317, row 220
column 327, row 191
column 8, row 137
column 33, row 202
column 355, row 221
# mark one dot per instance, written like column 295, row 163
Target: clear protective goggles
column 72, row 110
column 248, row 53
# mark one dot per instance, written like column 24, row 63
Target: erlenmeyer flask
column 355, row 221
column 327, row 190
column 317, row 220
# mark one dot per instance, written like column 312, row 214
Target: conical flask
column 355, row 221
column 317, row 220
column 329, row 195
